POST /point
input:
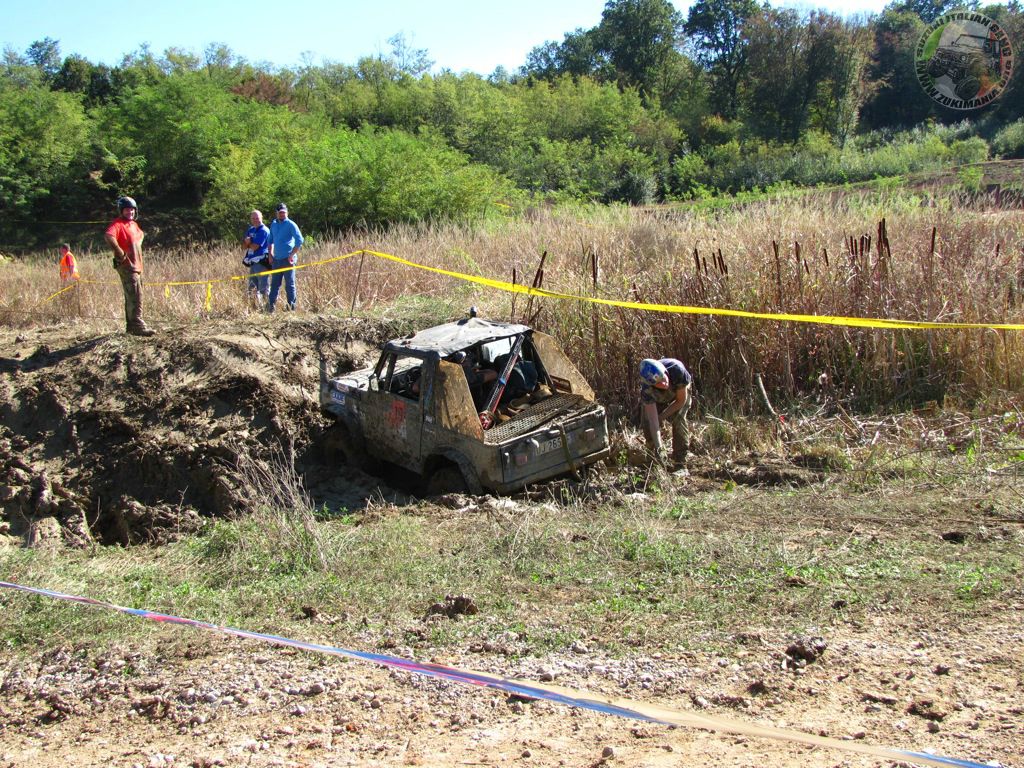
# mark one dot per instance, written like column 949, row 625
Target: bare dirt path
column 200, row 702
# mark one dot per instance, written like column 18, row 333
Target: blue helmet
column 126, row 202
column 653, row 374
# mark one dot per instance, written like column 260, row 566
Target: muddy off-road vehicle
column 472, row 405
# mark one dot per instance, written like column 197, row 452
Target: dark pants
column 131, row 283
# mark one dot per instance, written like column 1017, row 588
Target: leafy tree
column 1010, row 106
column 265, row 88
column 581, row 53
column 899, row 99
column 640, row 37
column 715, row 28
column 341, row 178
column 926, row 10
column 78, row 75
column 16, row 70
column 681, row 91
column 138, row 68
column 13, row 60
column 500, row 76
column 44, row 55
column 177, row 61
column 45, row 145
column 621, row 173
column 803, row 73
column 634, row 43
column 839, row 55
column 180, row 124
column 74, row 75
column 776, row 96
column 574, row 110
column 412, row 61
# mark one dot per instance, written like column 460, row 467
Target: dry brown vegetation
column 879, row 254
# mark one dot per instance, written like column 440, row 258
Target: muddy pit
column 113, row 439
column 109, row 438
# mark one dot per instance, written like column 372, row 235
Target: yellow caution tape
column 53, row 296
column 210, row 281
column 855, row 322
column 681, row 309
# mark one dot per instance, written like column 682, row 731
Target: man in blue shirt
column 257, row 258
column 285, row 242
column 666, row 382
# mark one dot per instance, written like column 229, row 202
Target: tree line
column 649, row 105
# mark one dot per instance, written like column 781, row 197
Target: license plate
column 338, row 397
column 549, row 445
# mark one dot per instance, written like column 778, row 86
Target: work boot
column 678, row 463
column 141, row 330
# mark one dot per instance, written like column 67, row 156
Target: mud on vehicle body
column 420, row 407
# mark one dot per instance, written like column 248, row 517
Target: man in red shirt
column 125, row 238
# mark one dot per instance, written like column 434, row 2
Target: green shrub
column 1009, row 142
column 689, row 175
column 723, row 160
column 971, row 178
column 343, row 178
column 715, row 130
column 971, row 150
column 623, row 174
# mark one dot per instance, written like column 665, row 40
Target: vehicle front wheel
column 343, row 446
column 967, row 88
column 445, row 479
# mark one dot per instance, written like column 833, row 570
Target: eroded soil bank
column 111, row 438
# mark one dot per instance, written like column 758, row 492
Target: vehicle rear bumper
column 550, row 472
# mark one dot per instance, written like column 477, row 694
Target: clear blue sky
column 475, row 35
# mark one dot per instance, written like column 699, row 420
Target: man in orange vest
column 68, row 265
column 125, row 239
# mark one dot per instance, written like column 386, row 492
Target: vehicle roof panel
column 452, row 337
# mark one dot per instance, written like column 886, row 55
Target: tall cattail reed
column 862, row 256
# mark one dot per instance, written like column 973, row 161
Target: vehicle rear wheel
column 445, row 479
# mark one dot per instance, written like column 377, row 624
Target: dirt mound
column 111, row 438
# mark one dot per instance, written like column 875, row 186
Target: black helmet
column 126, row 202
